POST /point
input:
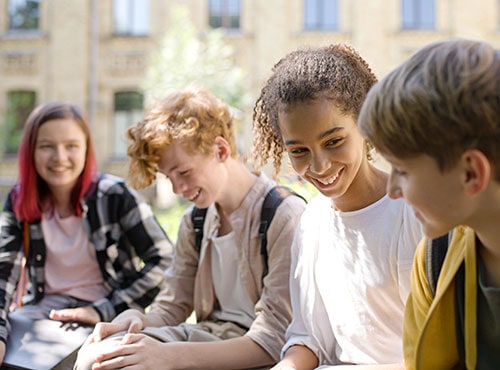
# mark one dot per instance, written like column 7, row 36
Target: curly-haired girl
column 353, row 251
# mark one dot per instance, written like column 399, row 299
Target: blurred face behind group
column 60, row 154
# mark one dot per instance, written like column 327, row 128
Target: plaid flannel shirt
column 132, row 250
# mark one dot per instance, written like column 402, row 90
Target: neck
column 240, row 181
column 484, row 221
column 368, row 186
column 62, row 204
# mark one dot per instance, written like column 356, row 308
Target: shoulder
column 107, row 182
column 8, row 204
column 317, row 214
column 111, row 185
column 112, row 193
column 401, row 213
column 291, row 201
column 270, row 194
column 318, row 204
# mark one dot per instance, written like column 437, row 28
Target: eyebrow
column 321, row 136
column 49, row 140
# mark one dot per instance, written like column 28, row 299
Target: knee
column 86, row 357
column 89, row 351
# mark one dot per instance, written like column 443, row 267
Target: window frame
column 226, row 12
column 418, row 15
column 318, row 21
column 24, row 26
column 124, row 117
column 128, row 21
column 15, row 118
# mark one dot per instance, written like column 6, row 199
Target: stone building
column 95, row 53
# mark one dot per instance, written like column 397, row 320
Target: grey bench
column 43, row 344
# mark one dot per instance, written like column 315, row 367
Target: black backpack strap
column 198, row 218
column 271, row 202
column 435, row 254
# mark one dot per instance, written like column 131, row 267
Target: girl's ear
column 222, row 149
column 477, row 171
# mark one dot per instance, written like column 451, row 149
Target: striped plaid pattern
column 131, row 248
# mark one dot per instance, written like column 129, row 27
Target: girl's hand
column 86, row 315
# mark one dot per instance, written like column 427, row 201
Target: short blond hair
column 443, row 100
column 193, row 116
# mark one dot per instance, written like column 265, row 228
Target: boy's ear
column 477, row 171
column 222, row 149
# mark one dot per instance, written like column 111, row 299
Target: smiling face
column 324, row 146
column 196, row 177
column 435, row 196
column 60, row 152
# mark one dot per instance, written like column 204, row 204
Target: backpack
column 435, row 253
column 271, row 202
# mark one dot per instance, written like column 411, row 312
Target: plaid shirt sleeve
column 10, row 261
column 132, row 249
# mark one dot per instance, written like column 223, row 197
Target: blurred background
column 114, row 57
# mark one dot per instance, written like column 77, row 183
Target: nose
column 178, row 185
column 393, row 188
column 60, row 153
column 320, row 162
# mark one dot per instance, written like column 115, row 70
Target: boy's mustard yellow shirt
column 429, row 337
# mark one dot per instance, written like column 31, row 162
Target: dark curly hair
column 336, row 71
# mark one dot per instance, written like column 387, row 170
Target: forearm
column 365, row 367
column 298, row 357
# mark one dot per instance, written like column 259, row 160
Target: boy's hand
column 129, row 321
column 136, row 351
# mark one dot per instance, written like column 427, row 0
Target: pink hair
column 31, row 194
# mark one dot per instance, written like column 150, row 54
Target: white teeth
column 194, row 196
column 329, row 181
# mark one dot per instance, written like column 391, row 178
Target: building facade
column 95, row 53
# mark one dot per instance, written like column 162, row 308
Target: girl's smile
column 326, row 148
column 60, row 153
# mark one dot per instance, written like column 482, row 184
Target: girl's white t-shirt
column 350, row 279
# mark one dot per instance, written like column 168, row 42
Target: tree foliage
column 187, row 56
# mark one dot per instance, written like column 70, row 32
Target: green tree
column 187, row 56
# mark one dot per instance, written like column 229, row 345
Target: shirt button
column 38, row 257
column 40, row 289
